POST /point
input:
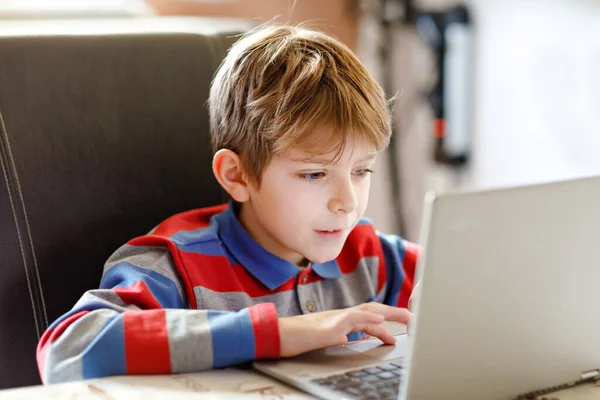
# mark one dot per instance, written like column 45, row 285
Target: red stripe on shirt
column 409, row 264
column 147, row 342
column 217, row 274
column 363, row 242
column 138, row 295
column 150, row 240
column 188, row 221
column 266, row 330
column 50, row 337
column 153, row 240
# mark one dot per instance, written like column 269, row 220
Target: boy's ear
column 227, row 168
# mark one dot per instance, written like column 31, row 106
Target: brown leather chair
column 105, row 134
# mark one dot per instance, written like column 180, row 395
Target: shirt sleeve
column 400, row 258
column 138, row 322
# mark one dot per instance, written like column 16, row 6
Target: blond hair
column 284, row 86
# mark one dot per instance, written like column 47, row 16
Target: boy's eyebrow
column 369, row 157
column 327, row 160
column 313, row 159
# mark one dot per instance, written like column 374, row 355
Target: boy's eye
column 362, row 172
column 313, row 176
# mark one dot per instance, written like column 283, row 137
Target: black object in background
column 449, row 35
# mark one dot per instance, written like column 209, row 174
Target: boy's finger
column 360, row 317
column 380, row 332
column 395, row 314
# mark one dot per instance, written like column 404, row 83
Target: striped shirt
column 199, row 293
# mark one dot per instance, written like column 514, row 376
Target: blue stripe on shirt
column 232, row 337
column 365, row 221
column 393, row 254
column 89, row 306
column 125, row 274
column 354, row 336
column 202, row 241
column 106, row 354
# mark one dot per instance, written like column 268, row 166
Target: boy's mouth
column 329, row 230
column 329, row 233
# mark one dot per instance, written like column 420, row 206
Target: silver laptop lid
column 510, row 292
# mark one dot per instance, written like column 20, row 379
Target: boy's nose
column 344, row 200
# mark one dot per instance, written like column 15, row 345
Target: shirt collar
column 329, row 269
column 269, row 269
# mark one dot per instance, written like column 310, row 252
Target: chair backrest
column 105, row 133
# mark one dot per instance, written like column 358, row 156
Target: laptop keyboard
column 380, row 382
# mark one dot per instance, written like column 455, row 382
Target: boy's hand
column 303, row 333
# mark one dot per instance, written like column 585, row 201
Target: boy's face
column 305, row 206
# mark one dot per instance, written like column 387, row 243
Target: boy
column 290, row 265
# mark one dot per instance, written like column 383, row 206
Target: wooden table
column 219, row 384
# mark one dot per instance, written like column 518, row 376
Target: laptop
column 509, row 302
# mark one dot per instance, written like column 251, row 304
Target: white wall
column 537, row 102
column 537, row 116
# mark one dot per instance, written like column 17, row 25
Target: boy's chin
column 323, row 257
